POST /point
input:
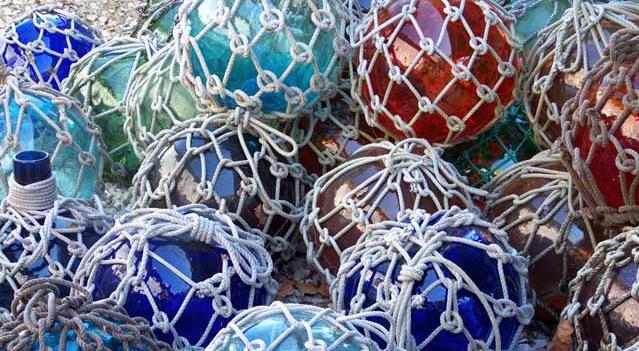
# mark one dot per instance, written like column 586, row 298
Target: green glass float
column 157, row 100
column 509, row 141
column 100, row 81
column 273, row 56
column 158, row 18
column 533, row 16
column 34, row 117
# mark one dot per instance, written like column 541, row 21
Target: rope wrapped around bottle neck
column 38, row 196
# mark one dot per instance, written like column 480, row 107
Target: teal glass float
column 274, row 56
column 38, row 118
column 285, row 327
column 101, row 81
column 157, row 19
column 533, row 16
column 43, row 235
column 157, row 100
column 43, row 45
column 72, row 323
column 509, row 141
column 188, row 271
column 449, row 280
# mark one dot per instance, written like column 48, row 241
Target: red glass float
column 440, row 70
column 562, row 58
column 380, row 182
column 602, row 136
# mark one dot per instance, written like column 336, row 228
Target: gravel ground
column 115, row 17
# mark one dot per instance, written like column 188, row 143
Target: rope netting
column 380, row 182
column 246, row 265
column 48, row 21
column 507, row 142
column 158, row 19
column 565, row 53
column 596, row 133
column 406, row 265
column 287, row 55
column 528, row 12
column 605, row 297
column 537, row 205
column 332, row 132
column 43, row 235
column 157, row 100
column 229, row 162
column 43, row 320
column 36, row 117
column 101, row 81
column 309, row 326
column 406, row 73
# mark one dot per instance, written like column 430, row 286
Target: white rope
column 37, row 196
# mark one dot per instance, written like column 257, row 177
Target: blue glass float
column 186, row 286
column 44, row 44
column 40, row 118
column 30, row 249
column 275, row 56
column 222, row 168
column 426, row 271
column 279, row 328
column 72, row 323
column 101, row 81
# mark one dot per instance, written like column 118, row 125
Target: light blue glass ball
column 284, row 327
column 277, row 58
column 38, row 118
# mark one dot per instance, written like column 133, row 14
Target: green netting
column 506, row 143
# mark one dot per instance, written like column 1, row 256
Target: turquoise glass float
column 185, row 270
column 44, row 44
column 533, row 16
column 285, row 327
column 38, row 118
column 275, row 56
column 101, row 81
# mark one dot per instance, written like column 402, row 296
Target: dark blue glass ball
column 58, row 251
column 46, row 44
column 480, row 268
column 195, row 260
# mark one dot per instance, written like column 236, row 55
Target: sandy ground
column 114, row 18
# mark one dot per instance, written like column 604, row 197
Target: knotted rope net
column 331, row 132
column 43, row 320
column 157, row 100
column 101, row 81
column 381, row 181
column 406, row 72
column 536, row 203
column 595, row 126
column 605, row 297
column 36, row 117
column 246, row 264
column 313, row 327
column 43, row 235
column 229, row 164
column 287, row 55
column 64, row 52
column 563, row 58
column 157, row 19
column 404, row 265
